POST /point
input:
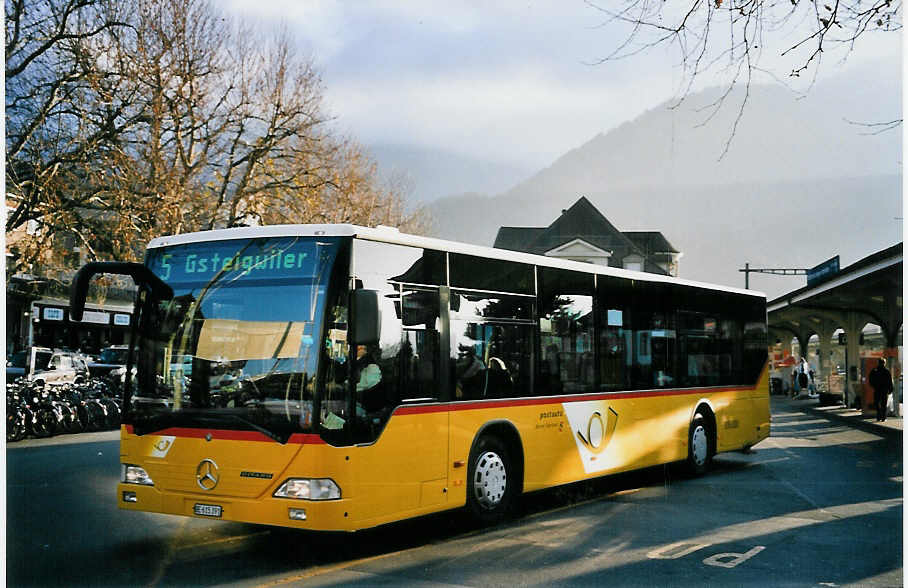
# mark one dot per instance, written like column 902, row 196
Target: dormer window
column 633, row 263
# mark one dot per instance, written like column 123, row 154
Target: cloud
column 505, row 81
column 502, row 80
column 520, row 114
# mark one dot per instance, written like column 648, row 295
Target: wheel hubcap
column 699, row 445
column 490, row 480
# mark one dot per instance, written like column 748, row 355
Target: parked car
column 23, row 363
column 63, row 367
column 16, row 365
column 111, row 359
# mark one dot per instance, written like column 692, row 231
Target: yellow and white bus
column 335, row 377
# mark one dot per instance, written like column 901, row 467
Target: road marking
column 796, row 520
column 171, row 552
column 224, row 540
column 318, row 571
column 751, row 464
column 181, row 552
column 722, row 560
column 673, row 551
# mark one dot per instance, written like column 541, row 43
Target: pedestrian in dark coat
column 881, row 381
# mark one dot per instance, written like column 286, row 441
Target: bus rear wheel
column 491, row 483
column 699, row 452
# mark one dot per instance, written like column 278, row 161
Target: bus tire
column 699, row 453
column 491, row 482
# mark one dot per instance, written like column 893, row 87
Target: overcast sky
column 506, row 81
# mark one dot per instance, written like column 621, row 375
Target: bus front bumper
column 316, row 515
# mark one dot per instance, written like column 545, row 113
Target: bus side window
column 421, row 344
column 616, row 336
column 754, row 345
column 638, row 337
column 420, row 357
column 491, row 346
column 567, row 363
column 699, row 346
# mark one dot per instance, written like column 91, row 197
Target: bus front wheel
column 699, row 454
column 491, row 484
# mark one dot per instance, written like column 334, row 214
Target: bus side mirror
column 141, row 274
column 366, row 317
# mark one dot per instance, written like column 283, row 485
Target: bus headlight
column 309, row 489
column 133, row 474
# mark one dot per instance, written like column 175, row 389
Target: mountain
column 430, row 174
column 798, row 185
column 778, row 138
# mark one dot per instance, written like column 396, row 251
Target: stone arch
column 873, row 341
column 837, row 351
column 813, row 350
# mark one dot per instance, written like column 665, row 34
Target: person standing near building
column 881, row 381
column 802, row 378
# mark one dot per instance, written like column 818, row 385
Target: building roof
column 652, row 242
column 517, row 238
column 584, row 221
column 581, row 221
column 855, row 271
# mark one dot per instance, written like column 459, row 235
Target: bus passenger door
column 405, row 470
column 401, row 465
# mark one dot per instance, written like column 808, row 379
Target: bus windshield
column 237, row 345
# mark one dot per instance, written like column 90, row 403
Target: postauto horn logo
column 598, row 434
column 593, row 425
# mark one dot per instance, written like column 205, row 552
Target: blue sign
column 241, row 259
column 830, row 267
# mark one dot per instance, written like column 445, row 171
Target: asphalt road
column 816, row 504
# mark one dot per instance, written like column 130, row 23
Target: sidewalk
column 891, row 428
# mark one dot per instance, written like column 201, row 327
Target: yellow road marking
column 332, row 568
column 225, row 540
column 344, row 565
column 174, row 547
column 168, row 557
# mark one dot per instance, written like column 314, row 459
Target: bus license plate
column 207, row 510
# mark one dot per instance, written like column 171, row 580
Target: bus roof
column 394, row 236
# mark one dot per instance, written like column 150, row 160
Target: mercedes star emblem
column 207, row 474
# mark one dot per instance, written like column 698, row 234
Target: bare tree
column 55, row 129
column 349, row 194
column 172, row 119
column 730, row 37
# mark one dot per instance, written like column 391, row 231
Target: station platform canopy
column 866, row 292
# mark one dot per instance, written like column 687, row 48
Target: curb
column 66, row 439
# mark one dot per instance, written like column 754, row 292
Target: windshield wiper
column 156, row 421
column 267, row 432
